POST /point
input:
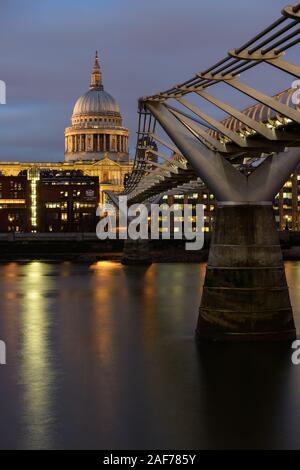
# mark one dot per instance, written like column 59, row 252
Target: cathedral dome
column 96, row 129
column 96, row 101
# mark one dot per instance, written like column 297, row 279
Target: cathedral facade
column 96, row 146
column 96, row 125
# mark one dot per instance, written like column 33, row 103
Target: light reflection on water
column 104, row 357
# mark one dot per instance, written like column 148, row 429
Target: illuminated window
column 12, row 201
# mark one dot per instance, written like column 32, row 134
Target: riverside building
column 96, row 150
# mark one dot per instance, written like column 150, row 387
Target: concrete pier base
column 245, row 294
column 136, row 252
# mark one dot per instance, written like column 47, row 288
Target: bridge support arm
column 269, row 177
column 221, row 177
column 245, row 294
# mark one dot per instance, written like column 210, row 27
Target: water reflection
column 37, row 368
column 105, row 357
column 246, row 396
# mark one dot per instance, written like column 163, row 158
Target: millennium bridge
column 244, row 160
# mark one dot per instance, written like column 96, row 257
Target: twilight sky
column 47, row 49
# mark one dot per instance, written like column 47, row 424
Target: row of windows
column 191, row 196
column 16, row 185
column 177, row 229
column 79, row 120
column 67, row 193
column 181, row 207
column 12, row 194
column 64, row 205
column 64, row 216
column 67, row 183
column 56, row 205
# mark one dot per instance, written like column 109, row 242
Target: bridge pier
column 136, row 252
column 245, row 294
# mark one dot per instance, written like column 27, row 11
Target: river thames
column 104, row 357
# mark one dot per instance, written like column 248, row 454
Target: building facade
column 96, row 150
column 47, row 201
column 14, row 204
column 110, row 174
column 45, row 196
column 286, row 205
column 204, row 197
column 66, row 202
column 96, row 125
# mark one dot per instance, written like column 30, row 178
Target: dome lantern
column 96, row 75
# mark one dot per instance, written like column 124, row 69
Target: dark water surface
column 104, row 357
